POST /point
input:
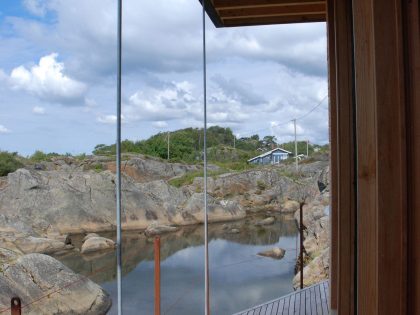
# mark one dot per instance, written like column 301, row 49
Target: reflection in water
column 239, row 278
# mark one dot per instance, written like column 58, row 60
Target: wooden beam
column 334, row 180
column 274, row 20
column 346, row 157
column 412, row 67
column 273, row 11
column 239, row 4
column 381, row 158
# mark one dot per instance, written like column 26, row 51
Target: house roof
column 268, row 153
column 229, row 13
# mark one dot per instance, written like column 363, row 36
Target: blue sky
column 58, row 74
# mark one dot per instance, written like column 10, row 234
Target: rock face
column 84, row 201
column 276, row 253
column 317, row 236
column 59, row 290
column 96, row 243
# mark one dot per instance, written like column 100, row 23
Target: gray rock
column 156, row 229
column 89, row 235
column 276, row 253
column 266, row 221
column 96, row 243
column 42, row 245
column 52, row 287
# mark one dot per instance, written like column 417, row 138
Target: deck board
column 309, row 301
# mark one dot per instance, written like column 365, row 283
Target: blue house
column 271, row 157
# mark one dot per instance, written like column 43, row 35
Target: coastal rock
column 42, row 245
column 36, row 275
column 156, row 229
column 96, row 243
column 266, row 221
column 84, row 201
column 315, row 271
column 290, row 206
column 89, row 235
column 276, row 253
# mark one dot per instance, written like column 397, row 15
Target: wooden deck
column 309, row 301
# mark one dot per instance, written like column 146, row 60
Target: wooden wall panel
column 333, row 156
column 346, row 156
column 412, row 46
column 382, row 208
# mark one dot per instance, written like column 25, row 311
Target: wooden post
column 157, row 275
column 301, row 242
column 16, row 306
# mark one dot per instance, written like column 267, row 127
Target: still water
column 239, row 278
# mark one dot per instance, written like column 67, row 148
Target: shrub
column 261, row 185
column 38, row 156
column 9, row 163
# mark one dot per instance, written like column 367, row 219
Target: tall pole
column 157, row 275
column 206, row 241
column 168, row 144
column 296, row 151
column 307, row 148
column 118, row 160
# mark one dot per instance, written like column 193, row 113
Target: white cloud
column 48, row 82
column 38, row 110
column 36, row 7
column 109, row 119
column 4, row 130
column 160, row 124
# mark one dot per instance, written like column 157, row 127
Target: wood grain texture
column 346, row 193
column 412, row 47
column 381, row 157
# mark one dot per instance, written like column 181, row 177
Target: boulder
column 89, row 235
column 156, row 229
column 266, row 221
column 97, row 243
column 52, row 287
column 276, row 253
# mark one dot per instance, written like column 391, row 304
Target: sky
column 58, row 74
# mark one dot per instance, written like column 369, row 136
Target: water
column 239, row 278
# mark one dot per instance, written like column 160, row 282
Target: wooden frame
column 411, row 16
column 343, row 215
column 229, row 13
column 374, row 81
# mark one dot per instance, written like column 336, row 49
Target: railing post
column 301, row 243
column 16, row 306
column 157, row 275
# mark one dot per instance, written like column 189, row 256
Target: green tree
column 9, row 162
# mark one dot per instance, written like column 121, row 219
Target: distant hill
column 186, row 145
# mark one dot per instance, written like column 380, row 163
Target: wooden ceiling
column 229, row 13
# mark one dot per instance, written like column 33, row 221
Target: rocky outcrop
column 46, row 286
column 96, row 243
column 275, row 253
column 36, row 202
column 316, row 235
